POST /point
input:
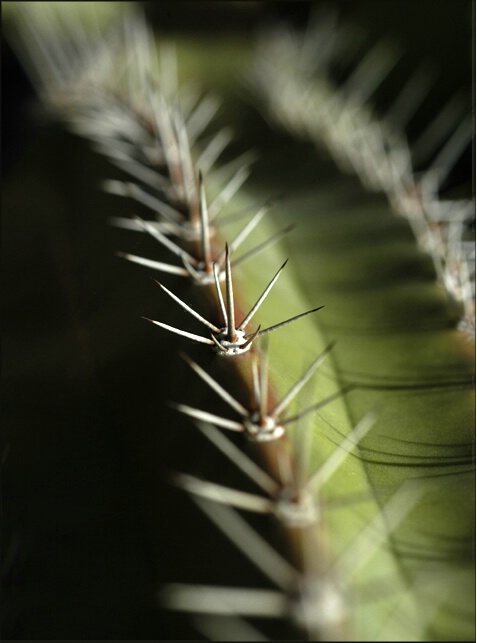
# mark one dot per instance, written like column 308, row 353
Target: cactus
column 329, row 464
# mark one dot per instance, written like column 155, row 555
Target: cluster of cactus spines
column 141, row 127
column 295, row 501
column 150, row 139
column 291, row 77
column 311, row 598
column 261, row 423
column 231, row 338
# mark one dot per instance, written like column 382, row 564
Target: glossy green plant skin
column 389, row 319
column 396, row 340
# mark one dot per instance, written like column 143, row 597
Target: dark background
column 88, row 525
